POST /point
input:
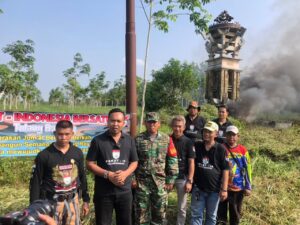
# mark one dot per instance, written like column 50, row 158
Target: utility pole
column 131, row 96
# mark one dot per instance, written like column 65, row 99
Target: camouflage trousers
column 67, row 212
column 150, row 203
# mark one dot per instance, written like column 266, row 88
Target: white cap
column 232, row 129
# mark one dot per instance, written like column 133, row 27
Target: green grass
column 275, row 199
column 275, row 158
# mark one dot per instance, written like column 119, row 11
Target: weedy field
column 275, row 158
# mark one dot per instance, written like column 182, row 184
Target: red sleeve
column 243, row 149
column 171, row 149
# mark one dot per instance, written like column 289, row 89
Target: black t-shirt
column 185, row 151
column 222, row 130
column 209, row 166
column 58, row 173
column 112, row 156
column 194, row 127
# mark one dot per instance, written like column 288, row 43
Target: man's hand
column 85, row 209
column 113, row 177
column 223, row 195
column 47, row 219
column 247, row 192
column 168, row 187
column 121, row 176
column 134, row 184
column 188, row 187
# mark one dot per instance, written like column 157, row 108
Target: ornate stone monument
column 223, row 43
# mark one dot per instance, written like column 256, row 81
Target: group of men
column 200, row 157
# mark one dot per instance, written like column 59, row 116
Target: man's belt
column 61, row 197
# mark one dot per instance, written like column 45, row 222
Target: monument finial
column 224, row 17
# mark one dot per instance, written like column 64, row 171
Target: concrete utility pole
column 131, row 96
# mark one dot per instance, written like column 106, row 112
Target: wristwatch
column 190, row 181
column 223, row 190
column 105, row 175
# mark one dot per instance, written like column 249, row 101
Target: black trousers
column 133, row 207
column 234, row 201
column 121, row 203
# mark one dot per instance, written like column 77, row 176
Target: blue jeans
column 204, row 200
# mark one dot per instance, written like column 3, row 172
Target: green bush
column 15, row 171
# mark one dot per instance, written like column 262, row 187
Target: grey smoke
column 271, row 85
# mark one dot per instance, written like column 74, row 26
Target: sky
column 96, row 29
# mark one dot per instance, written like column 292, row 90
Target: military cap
column 152, row 116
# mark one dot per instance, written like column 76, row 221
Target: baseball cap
column 211, row 126
column 232, row 129
column 193, row 104
column 152, row 116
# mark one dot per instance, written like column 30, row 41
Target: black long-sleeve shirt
column 58, row 173
column 222, row 130
column 194, row 127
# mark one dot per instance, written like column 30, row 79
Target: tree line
column 172, row 85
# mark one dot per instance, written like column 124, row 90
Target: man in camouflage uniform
column 156, row 172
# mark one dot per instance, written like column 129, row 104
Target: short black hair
column 115, row 110
column 223, row 106
column 64, row 124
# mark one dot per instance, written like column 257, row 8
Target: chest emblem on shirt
column 65, row 176
column 192, row 127
column 116, row 153
column 205, row 163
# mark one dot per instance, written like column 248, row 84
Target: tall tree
column 28, row 87
column 97, row 87
column 199, row 92
column 72, row 86
column 34, row 96
column 170, row 10
column 56, row 96
column 139, row 87
column 22, row 67
column 117, row 92
column 169, row 84
column 6, row 83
